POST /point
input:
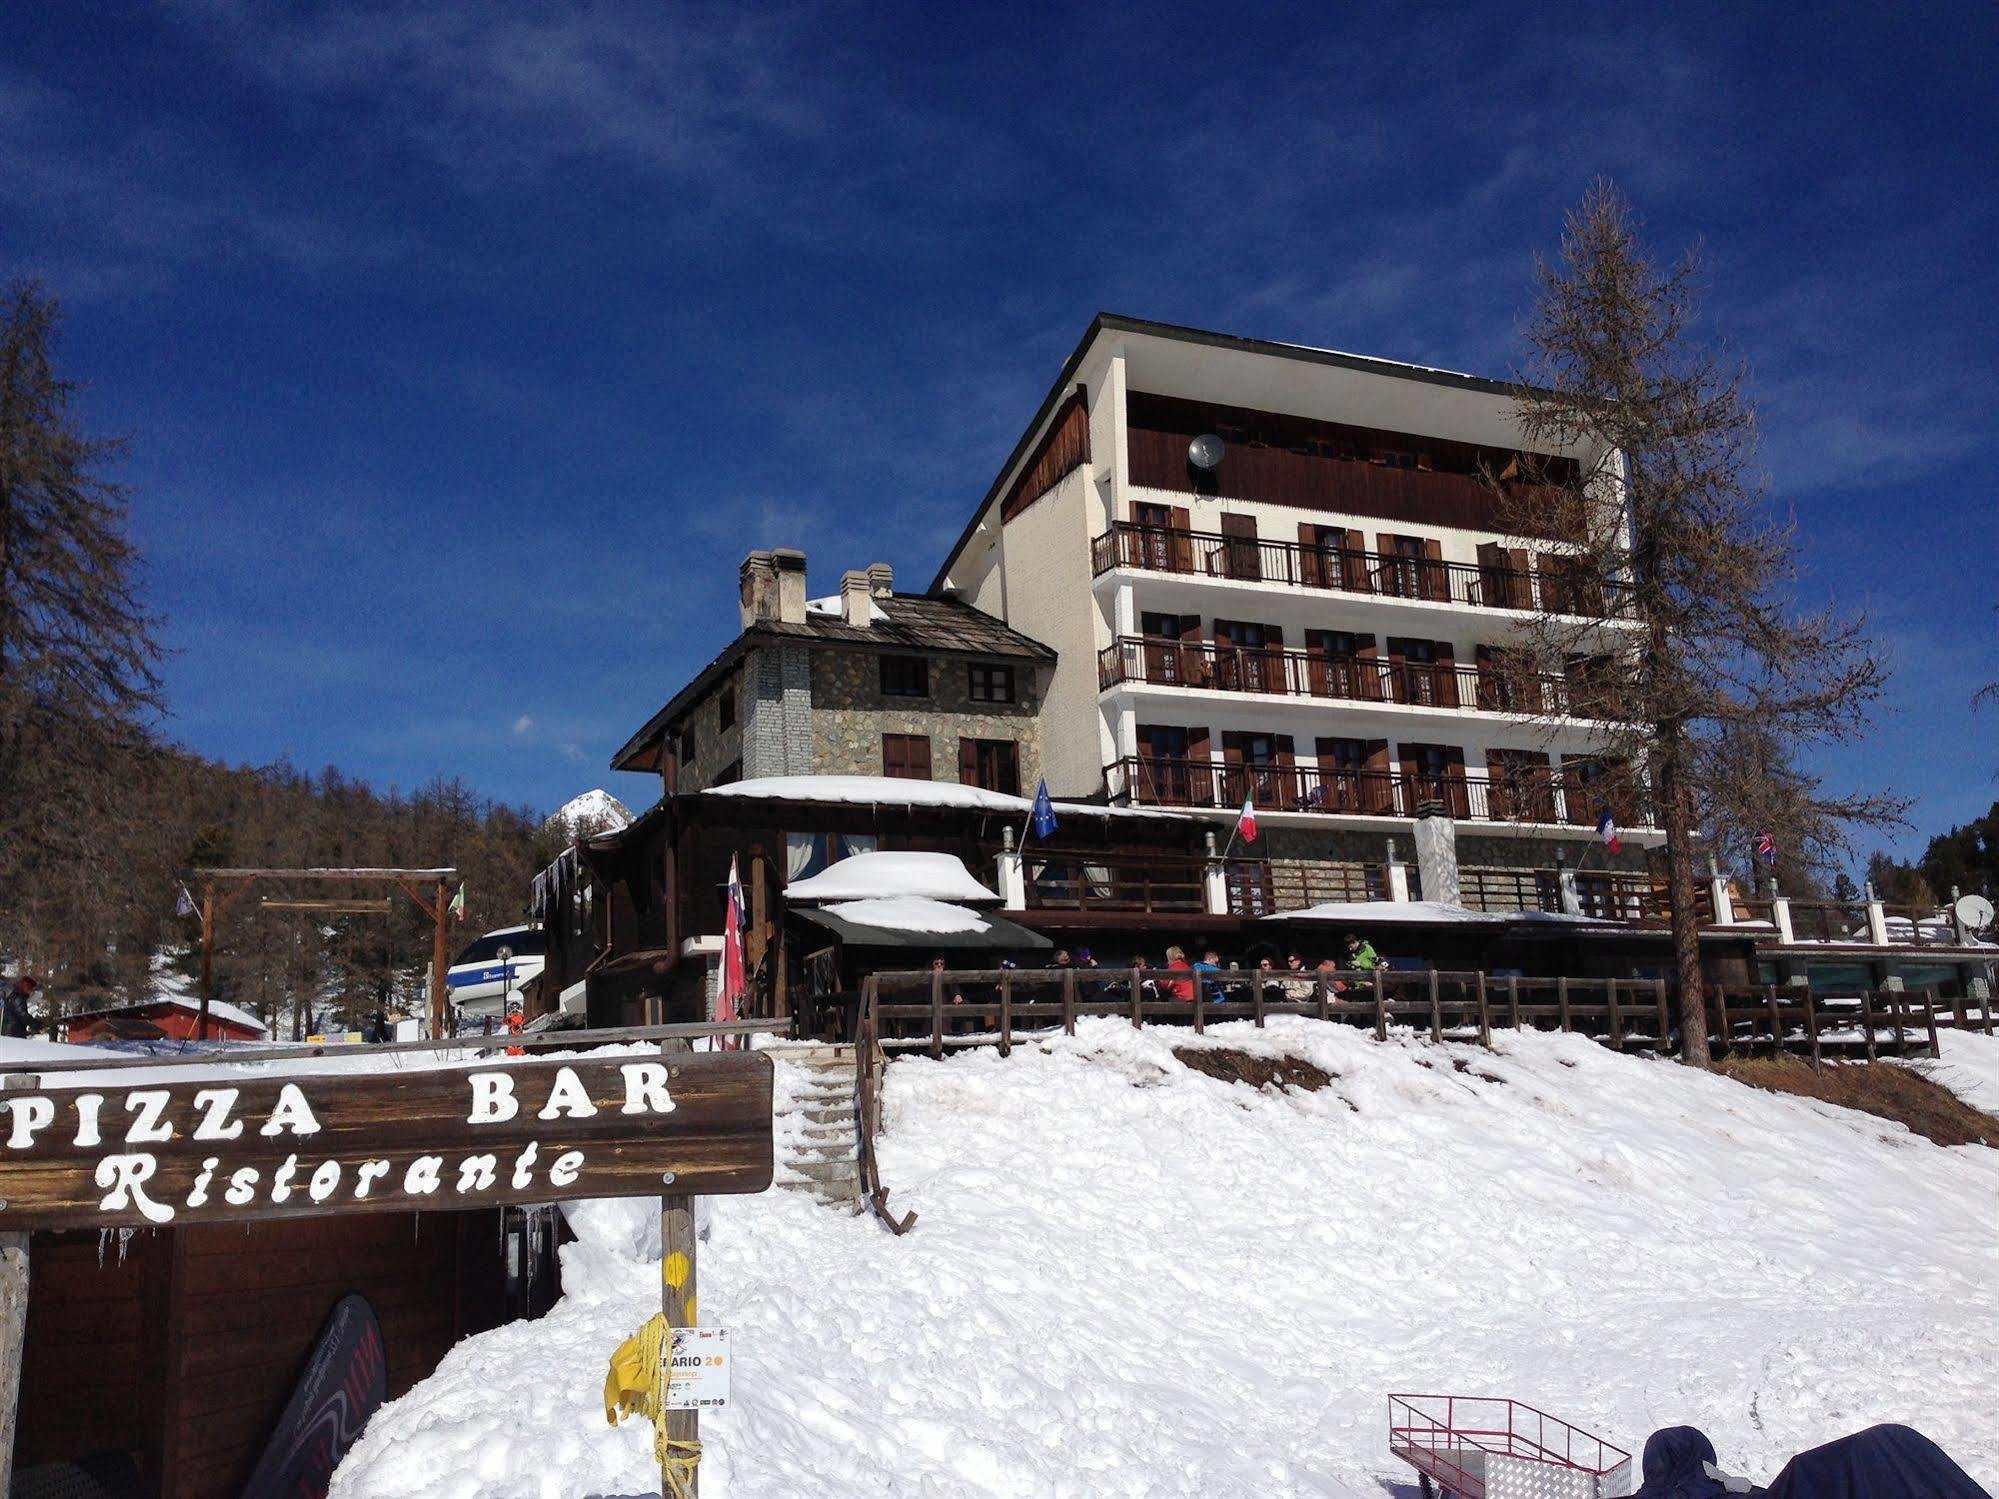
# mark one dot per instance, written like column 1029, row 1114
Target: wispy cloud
column 523, row 725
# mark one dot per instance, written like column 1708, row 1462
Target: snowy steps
column 817, row 1152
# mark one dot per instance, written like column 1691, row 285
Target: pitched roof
column 902, row 622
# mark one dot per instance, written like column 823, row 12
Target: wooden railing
column 1523, row 796
column 1063, row 881
column 953, row 1009
column 870, row 1063
column 1252, row 559
column 1492, row 686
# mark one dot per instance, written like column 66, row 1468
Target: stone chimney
column 1437, row 853
column 857, row 606
column 790, row 565
column 881, row 580
column 759, row 588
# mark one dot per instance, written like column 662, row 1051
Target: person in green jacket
column 1361, row 954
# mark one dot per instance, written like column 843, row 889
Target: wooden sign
column 219, row 1150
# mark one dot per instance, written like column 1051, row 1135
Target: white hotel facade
column 1318, row 621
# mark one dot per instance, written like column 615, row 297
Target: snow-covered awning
column 1426, row 913
column 913, row 921
column 891, row 791
column 873, row 876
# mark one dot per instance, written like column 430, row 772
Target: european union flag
column 1044, row 811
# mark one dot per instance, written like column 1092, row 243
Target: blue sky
column 466, row 349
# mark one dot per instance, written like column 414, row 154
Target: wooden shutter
column 1285, row 776
column 1181, row 544
column 1491, row 575
column 968, row 762
column 1490, row 695
column 1242, row 558
column 1311, row 556
column 1272, row 667
column 1389, row 575
column 1433, row 577
column 1200, row 768
column 1446, row 675
column 1354, row 563
column 1458, row 783
column 1519, row 581
column 1367, row 670
column 1377, row 788
column 1398, row 670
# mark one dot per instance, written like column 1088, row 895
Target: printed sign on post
column 698, row 1370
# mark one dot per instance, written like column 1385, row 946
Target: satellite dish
column 1206, row 450
column 1974, row 911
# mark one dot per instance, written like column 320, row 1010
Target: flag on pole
column 1245, row 822
column 184, row 903
column 1606, row 829
column 1766, row 849
column 457, row 906
column 733, row 980
column 1044, row 811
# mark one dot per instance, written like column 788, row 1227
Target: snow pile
column 886, row 875
column 910, row 913
column 1968, row 1065
column 1130, row 1279
column 892, row 791
column 596, row 810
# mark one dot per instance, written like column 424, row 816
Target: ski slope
column 1130, row 1279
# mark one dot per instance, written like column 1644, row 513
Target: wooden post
column 1776, row 1023
column 1436, row 1010
column 1867, row 1022
column 937, row 1012
column 1727, row 1026
column 1930, row 1018
column 1513, row 1000
column 1562, row 1001
column 1616, row 1018
column 1256, row 999
column 1484, row 1014
column 1137, row 1011
column 677, row 1246
column 1812, row 1024
column 1006, row 1015
column 439, row 962
column 1325, row 995
column 1665, row 1016
column 207, row 959
column 1069, row 1001
column 1200, row 1007
column 1380, row 1009
column 13, row 1319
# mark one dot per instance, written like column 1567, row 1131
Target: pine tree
column 79, row 688
column 1677, row 573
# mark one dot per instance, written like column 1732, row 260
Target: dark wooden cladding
column 715, row 1138
column 1318, row 465
column 1063, row 447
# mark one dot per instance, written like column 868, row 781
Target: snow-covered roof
column 910, row 913
column 218, row 1009
column 889, row 791
column 891, row 874
column 1425, row 912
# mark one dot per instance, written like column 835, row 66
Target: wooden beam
column 442, row 875
column 439, row 960
column 356, row 907
column 13, row 1320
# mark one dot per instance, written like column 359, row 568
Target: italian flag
column 1245, row 823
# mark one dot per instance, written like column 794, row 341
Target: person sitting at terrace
column 1062, row 959
column 1087, row 959
column 1297, row 983
column 1338, row 985
column 1361, row 954
column 1208, row 974
column 1177, row 988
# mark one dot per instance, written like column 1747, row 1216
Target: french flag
column 1606, row 829
column 1245, row 823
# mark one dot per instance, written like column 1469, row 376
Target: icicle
column 103, row 1238
column 124, row 1241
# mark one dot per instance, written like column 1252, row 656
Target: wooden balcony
column 1490, row 686
column 1337, row 569
column 1538, row 796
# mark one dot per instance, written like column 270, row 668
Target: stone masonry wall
column 776, row 710
column 714, row 748
column 850, row 714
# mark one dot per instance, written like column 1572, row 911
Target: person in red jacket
column 1180, row 989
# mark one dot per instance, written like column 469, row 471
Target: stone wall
column 850, row 714
column 776, row 710
column 715, row 748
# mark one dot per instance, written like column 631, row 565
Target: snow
column 1360, row 912
column 890, row 791
column 871, row 875
column 174, row 988
column 1129, row 1279
column 1968, row 1065
column 909, row 913
column 603, row 811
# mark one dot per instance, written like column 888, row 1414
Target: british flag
column 1766, row 849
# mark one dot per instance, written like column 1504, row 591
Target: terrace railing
column 1218, row 666
column 1522, row 796
column 1252, row 559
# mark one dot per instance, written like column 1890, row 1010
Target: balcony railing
column 1492, row 686
column 1529, row 795
column 1339, row 569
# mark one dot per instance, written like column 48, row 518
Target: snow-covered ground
column 1131, row 1279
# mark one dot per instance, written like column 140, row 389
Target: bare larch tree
column 1674, row 582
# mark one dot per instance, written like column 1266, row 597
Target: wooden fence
column 939, row 1010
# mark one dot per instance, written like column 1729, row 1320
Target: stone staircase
column 817, row 1152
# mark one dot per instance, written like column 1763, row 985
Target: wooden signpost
column 221, row 1150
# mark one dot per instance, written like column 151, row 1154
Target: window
column 905, row 676
column 687, row 746
column 725, row 707
column 729, row 774
column 906, row 757
column 992, row 684
column 993, row 764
